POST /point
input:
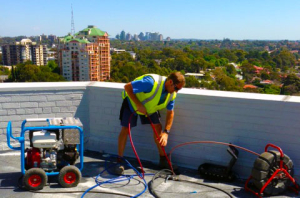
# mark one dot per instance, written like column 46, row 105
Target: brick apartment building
column 85, row 56
column 23, row 51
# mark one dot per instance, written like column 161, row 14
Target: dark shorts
column 125, row 114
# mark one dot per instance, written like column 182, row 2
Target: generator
column 53, row 150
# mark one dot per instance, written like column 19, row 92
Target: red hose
column 162, row 147
column 210, row 142
column 133, row 148
column 180, row 145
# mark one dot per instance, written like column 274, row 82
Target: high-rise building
column 123, row 35
column 147, row 36
column 44, row 37
column 154, row 36
column 141, row 36
column 136, row 37
column 85, row 56
column 128, row 37
column 23, row 51
column 161, row 38
column 52, row 38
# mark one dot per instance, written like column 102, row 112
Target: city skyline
column 215, row 19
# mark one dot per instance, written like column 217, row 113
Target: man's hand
column 163, row 139
column 141, row 109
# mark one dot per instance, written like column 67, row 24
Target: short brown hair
column 177, row 78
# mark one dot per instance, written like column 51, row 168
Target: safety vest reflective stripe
column 170, row 98
column 156, row 90
column 150, row 100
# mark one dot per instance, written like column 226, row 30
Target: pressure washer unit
column 53, row 150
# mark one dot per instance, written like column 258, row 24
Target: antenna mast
column 72, row 22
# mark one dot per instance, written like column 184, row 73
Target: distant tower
column 72, row 22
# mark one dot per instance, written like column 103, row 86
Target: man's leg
column 122, row 140
column 158, row 129
column 163, row 163
column 119, row 170
column 125, row 114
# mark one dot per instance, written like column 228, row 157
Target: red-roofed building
column 283, row 76
column 258, row 69
column 294, row 51
column 267, row 82
column 249, row 86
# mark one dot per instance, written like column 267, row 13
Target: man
column 146, row 95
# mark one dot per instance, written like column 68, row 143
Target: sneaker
column 118, row 170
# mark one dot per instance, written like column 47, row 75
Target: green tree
column 291, row 85
column 248, row 71
column 226, row 83
column 264, row 75
column 191, row 81
column 241, row 55
column 230, row 69
column 198, row 64
column 4, row 70
column 27, row 72
column 271, row 89
column 228, row 54
column 53, row 67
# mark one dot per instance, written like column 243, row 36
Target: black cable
column 170, row 175
column 151, row 189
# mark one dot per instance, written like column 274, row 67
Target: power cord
column 169, row 176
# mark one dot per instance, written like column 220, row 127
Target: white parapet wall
column 244, row 119
column 248, row 120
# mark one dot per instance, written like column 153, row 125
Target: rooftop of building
column 245, row 119
column 91, row 30
column 83, row 35
column 191, row 184
column 70, row 38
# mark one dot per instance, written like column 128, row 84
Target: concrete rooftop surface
column 245, row 119
column 94, row 163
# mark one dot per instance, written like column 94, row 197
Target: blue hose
column 118, row 179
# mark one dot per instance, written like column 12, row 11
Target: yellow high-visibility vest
column 150, row 100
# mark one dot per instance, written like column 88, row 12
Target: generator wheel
column 264, row 167
column 69, row 176
column 34, row 179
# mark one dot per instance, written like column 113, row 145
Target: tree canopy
column 27, row 72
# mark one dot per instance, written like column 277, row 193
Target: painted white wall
column 244, row 119
column 248, row 120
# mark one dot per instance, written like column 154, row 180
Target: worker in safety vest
column 147, row 95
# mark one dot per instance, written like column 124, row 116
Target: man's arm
column 164, row 136
column 169, row 120
column 140, row 107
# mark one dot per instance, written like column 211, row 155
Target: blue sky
column 200, row 19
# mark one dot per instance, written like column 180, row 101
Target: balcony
column 248, row 120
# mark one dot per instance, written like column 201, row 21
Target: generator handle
column 276, row 147
column 34, row 120
column 280, row 151
column 9, row 135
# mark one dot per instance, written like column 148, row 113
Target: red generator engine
column 33, row 159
